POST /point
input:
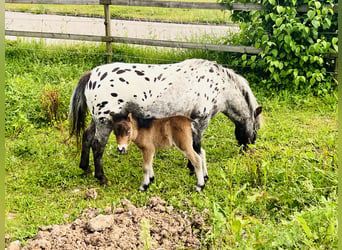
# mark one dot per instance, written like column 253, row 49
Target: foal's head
column 123, row 129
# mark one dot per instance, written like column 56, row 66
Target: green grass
column 282, row 196
column 128, row 12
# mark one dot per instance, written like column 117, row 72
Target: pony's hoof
column 103, row 180
column 151, row 179
column 206, row 178
column 250, row 150
column 108, row 184
column 87, row 173
column 86, row 170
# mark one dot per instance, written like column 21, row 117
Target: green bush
column 296, row 46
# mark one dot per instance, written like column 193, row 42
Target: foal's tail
column 78, row 107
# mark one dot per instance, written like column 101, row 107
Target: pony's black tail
column 78, row 108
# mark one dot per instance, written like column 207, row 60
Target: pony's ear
column 257, row 111
column 129, row 117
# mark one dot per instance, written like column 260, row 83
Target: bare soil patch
column 155, row 226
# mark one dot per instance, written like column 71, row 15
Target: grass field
column 129, row 12
column 282, row 196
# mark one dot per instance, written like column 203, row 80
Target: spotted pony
column 196, row 88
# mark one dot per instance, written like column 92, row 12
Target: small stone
column 127, row 204
column 100, row 223
column 91, row 193
column 15, row 245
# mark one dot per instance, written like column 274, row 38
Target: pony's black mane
column 137, row 113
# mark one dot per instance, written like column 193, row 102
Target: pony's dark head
column 246, row 132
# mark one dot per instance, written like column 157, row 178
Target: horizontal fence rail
column 138, row 41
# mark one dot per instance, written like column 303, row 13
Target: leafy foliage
column 296, row 46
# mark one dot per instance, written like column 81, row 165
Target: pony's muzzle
column 122, row 149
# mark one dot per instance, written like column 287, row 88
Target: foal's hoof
column 206, row 178
column 143, row 188
column 199, row 188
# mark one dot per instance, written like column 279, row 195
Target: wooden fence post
column 108, row 32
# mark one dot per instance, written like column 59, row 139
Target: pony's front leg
column 148, row 177
column 99, row 143
column 87, row 139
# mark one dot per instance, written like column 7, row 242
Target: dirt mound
column 126, row 227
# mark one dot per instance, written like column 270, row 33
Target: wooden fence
column 108, row 39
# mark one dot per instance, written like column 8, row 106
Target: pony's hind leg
column 102, row 134
column 147, row 169
column 87, row 139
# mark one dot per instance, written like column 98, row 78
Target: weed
column 145, row 234
column 50, row 102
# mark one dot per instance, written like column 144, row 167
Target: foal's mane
column 144, row 122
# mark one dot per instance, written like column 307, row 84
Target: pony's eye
column 129, row 132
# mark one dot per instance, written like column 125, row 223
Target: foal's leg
column 147, row 169
column 87, row 139
column 102, row 134
column 204, row 165
column 196, row 145
column 184, row 142
column 197, row 163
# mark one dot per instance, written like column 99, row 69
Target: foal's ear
column 257, row 111
column 129, row 117
column 112, row 116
